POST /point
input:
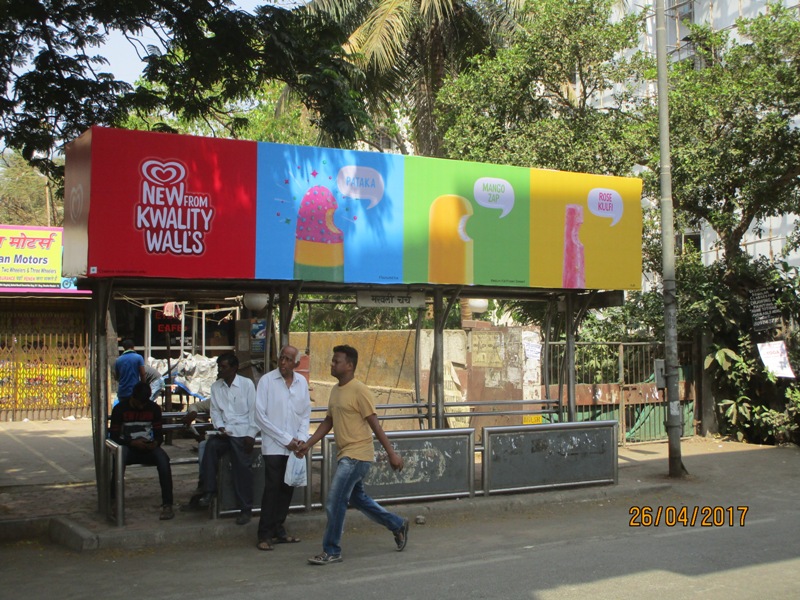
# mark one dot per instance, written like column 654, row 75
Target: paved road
column 573, row 550
column 516, row 549
column 550, row 545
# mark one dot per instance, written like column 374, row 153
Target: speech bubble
column 361, row 183
column 491, row 192
column 605, row 203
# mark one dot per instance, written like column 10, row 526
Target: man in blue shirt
column 129, row 369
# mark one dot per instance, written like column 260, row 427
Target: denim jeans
column 159, row 458
column 348, row 485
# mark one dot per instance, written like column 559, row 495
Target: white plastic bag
column 296, row 474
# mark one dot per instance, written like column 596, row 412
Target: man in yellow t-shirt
column 351, row 415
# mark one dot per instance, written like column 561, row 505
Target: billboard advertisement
column 142, row 204
column 30, row 260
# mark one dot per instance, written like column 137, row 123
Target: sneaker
column 205, row 501
column 243, row 518
column 401, row 536
column 166, row 513
column 325, row 559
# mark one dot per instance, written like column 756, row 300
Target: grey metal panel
column 437, row 464
column 546, row 456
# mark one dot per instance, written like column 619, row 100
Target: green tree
column 56, row 85
column 735, row 148
column 25, row 194
column 735, row 143
column 533, row 103
column 735, row 151
column 408, row 47
column 536, row 102
column 271, row 115
column 329, row 313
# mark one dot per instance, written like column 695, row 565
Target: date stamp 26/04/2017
column 687, row 516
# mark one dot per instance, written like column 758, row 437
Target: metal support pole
column 569, row 357
column 622, row 424
column 270, row 331
column 284, row 317
column 437, row 372
column 148, row 331
column 673, row 424
column 101, row 298
column 417, row 374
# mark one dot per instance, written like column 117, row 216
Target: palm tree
column 409, row 47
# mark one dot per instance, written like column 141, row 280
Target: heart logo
column 76, row 203
column 163, row 173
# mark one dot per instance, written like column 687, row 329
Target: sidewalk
column 47, row 488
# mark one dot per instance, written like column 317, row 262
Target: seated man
column 201, row 406
column 233, row 402
column 136, row 426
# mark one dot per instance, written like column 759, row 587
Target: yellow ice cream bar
column 319, row 244
column 449, row 246
column 318, row 254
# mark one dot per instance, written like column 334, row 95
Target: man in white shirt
column 233, row 401
column 283, row 412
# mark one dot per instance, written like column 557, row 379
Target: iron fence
column 616, row 381
column 44, row 375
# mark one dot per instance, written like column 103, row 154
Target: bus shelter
column 149, row 214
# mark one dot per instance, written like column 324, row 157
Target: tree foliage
column 56, row 83
column 534, row 103
column 735, row 149
column 25, row 195
column 735, row 141
column 408, row 48
column 271, row 115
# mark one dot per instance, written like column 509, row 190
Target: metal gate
column 616, row 380
column 43, row 375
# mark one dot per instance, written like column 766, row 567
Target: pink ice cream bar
column 574, row 273
column 319, row 244
column 315, row 217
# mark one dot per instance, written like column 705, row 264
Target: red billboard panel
column 162, row 205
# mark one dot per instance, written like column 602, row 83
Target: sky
column 123, row 61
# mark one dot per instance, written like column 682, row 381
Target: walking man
column 283, row 412
column 233, row 402
column 351, row 415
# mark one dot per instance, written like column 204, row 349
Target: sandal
column 286, row 539
column 264, row 545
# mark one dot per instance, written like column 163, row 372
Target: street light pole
column 676, row 468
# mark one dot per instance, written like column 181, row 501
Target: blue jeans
column 348, row 485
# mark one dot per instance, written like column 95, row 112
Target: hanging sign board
column 766, row 314
column 776, row 359
column 376, row 298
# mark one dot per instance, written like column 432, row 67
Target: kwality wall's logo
column 173, row 220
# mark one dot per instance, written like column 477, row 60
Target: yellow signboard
column 30, row 257
column 531, row 419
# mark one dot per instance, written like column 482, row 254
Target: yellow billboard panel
column 585, row 231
